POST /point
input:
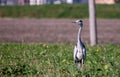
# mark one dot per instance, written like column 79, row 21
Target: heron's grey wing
column 84, row 50
column 84, row 53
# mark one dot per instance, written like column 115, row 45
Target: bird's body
column 79, row 49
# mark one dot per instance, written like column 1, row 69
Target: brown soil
column 56, row 30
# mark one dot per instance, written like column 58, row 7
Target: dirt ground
column 56, row 31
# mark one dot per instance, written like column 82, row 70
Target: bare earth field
column 56, row 31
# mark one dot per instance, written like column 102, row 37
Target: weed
column 56, row 60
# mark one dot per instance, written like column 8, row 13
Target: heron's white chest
column 79, row 54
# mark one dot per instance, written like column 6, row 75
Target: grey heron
column 79, row 49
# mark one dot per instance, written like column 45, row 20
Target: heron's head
column 79, row 22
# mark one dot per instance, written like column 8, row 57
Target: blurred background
column 51, row 20
column 39, row 2
column 37, row 38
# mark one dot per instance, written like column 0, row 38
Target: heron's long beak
column 73, row 21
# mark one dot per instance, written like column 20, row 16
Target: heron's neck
column 79, row 35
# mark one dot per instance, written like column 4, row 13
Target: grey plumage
column 79, row 49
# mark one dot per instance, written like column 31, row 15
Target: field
column 56, row 60
column 43, row 47
column 32, row 47
column 56, row 31
column 59, row 11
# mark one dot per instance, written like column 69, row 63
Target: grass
column 56, row 60
column 59, row 11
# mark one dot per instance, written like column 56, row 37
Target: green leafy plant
column 56, row 60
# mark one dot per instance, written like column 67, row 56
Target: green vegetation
column 59, row 11
column 56, row 60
